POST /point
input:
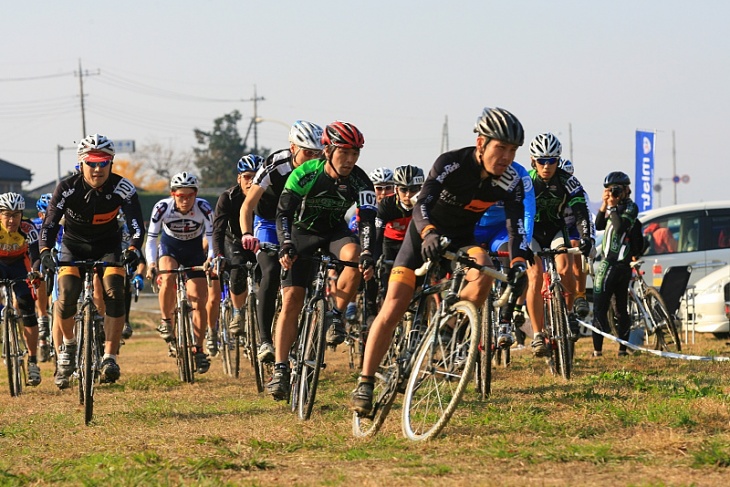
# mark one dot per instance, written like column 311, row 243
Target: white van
column 695, row 234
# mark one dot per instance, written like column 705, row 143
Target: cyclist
column 305, row 143
column 460, row 186
column 310, row 216
column 554, row 190
column 382, row 179
column 181, row 221
column 227, row 239
column 41, row 304
column 395, row 212
column 18, row 249
column 89, row 201
column 135, row 281
column 580, row 304
column 491, row 230
column 617, row 215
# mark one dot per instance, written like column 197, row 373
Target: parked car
column 711, row 296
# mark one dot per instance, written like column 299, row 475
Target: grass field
column 640, row 420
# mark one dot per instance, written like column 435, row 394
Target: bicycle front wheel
column 86, row 367
column 666, row 334
column 564, row 358
column 225, row 339
column 252, row 328
column 441, row 374
column 312, row 359
column 11, row 353
column 184, row 345
column 486, row 350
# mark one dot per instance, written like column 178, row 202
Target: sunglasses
column 184, row 196
column 311, row 152
column 409, row 189
column 547, row 161
column 247, row 176
column 102, row 164
column 11, row 214
column 383, row 188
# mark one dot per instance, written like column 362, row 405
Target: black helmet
column 498, row 123
column 408, row 176
column 617, row 178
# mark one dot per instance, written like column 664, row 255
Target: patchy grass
column 640, row 420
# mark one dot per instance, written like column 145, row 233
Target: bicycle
column 311, row 344
column 555, row 314
column 90, row 334
column 14, row 346
column 185, row 346
column 648, row 311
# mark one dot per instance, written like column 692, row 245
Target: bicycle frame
column 14, row 346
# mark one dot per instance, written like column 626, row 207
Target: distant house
column 12, row 177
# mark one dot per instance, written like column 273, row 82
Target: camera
column 616, row 191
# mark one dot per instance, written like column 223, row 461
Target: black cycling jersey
column 391, row 223
column 226, row 223
column 91, row 214
column 454, row 197
column 617, row 239
column 316, row 203
column 272, row 177
column 551, row 198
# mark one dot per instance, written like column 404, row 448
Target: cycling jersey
column 618, row 222
column 272, row 176
column 21, row 244
column 551, row 198
column 91, row 214
column 569, row 218
column 495, row 216
column 168, row 223
column 226, row 222
column 314, row 202
column 454, row 197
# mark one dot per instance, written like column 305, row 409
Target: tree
column 141, row 177
column 163, row 162
column 222, row 147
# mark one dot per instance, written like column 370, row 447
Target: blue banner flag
column 644, row 170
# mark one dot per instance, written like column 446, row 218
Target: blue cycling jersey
column 495, row 216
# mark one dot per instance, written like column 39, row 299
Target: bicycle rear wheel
column 252, row 328
column 385, row 389
column 441, row 374
column 666, row 334
column 312, row 359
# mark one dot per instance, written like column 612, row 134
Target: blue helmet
column 250, row 163
column 42, row 203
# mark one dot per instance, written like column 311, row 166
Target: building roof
column 12, row 172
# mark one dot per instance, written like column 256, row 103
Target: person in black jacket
column 617, row 216
column 227, row 240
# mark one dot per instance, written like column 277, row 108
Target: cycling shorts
column 307, row 244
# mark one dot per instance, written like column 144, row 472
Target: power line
column 34, row 78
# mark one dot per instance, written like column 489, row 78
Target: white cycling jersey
column 167, row 220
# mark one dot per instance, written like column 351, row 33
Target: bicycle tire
column 86, row 367
column 10, row 353
column 385, row 388
column 562, row 334
column 185, row 351
column 312, row 359
column 613, row 317
column 486, row 350
column 224, row 340
column 252, row 327
column 437, row 366
column 666, row 335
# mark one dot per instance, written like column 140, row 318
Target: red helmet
column 343, row 134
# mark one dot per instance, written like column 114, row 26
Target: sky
column 590, row 72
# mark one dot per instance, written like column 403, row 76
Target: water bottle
column 656, row 271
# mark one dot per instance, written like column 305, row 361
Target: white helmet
column 307, row 135
column 12, row 202
column 95, row 147
column 545, row 145
column 183, row 180
column 566, row 166
column 381, row 175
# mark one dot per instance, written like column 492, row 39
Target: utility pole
column 570, row 140
column 445, row 135
column 254, row 120
column 81, row 75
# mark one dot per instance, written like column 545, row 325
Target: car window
column 673, row 233
column 719, row 234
